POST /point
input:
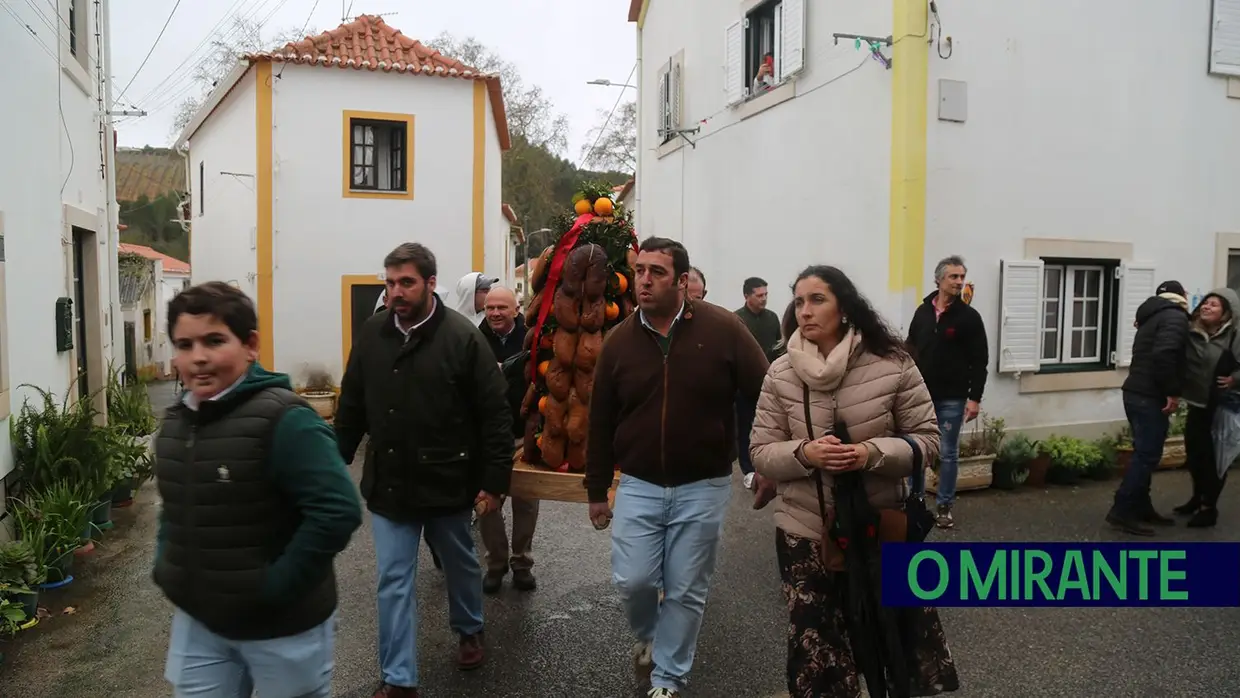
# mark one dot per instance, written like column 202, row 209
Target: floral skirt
column 820, row 659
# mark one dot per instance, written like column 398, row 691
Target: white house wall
column 319, row 235
column 57, row 121
column 1125, row 139
column 498, row 260
column 222, row 238
column 804, row 181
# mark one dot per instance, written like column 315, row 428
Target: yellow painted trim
column 347, row 282
column 264, row 259
column 346, row 145
column 480, row 176
column 910, row 71
column 641, row 16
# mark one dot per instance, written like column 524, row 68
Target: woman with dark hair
column 844, row 415
column 1212, row 379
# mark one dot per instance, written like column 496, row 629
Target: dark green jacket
column 256, row 505
column 436, row 410
column 1212, row 356
column 764, row 327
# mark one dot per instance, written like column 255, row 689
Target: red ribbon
column 553, row 278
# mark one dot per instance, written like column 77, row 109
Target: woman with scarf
column 1212, row 380
column 870, row 419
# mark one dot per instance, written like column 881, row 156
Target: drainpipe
column 115, row 321
column 641, row 127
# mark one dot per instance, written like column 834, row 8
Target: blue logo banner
column 1070, row 575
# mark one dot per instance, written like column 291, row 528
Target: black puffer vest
column 225, row 520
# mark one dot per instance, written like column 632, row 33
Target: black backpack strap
column 809, row 431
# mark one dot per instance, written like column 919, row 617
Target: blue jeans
column 1149, row 432
column 205, row 665
column 744, row 424
column 950, row 414
column 667, row 537
column 396, row 551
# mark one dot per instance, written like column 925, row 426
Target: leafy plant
column 1178, row 419
column 1068, row 453
column 19, row 566
column 129, row 406
column 12, row 616
column 52, row 521
column 1018, row 450
column 986, row 440
column 56, row 442
column 319, row 380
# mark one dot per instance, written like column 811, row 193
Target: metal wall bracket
column 874, row 43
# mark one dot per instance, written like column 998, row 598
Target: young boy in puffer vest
column 257, row 502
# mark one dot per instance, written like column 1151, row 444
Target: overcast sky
column 557, row 44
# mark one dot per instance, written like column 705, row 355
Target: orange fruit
column 622, row 282
column 542, row 368
column 542, row 404
column 582, row 207
column 604, row 206
column 613, row 311
column 538, row 441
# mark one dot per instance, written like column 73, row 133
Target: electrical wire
column 602, row 131
column 148, row 53
column 33, row 34
column 305, row 26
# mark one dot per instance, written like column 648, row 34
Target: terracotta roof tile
column 149, row 172
column 171, row 264
column 370, row 43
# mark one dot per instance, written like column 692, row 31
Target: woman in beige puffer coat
column 858, row 373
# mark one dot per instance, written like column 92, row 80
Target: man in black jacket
column 423, row 384
column 948, row 340
column 1151, row 395
column 504, row 329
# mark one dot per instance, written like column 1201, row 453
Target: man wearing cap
column 1151, row 395
column 471, row 295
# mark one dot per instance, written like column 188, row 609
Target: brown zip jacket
column 668, row 418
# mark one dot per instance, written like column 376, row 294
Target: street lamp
column 608, row 83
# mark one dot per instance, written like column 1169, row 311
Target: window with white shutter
column 677, row 83
column 1137, row 282
column 734, row 63
column 664, row 110
column 1020, row 321
column 1225, row 38
column 791, row 57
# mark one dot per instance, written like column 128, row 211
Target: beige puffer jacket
column 876, row 397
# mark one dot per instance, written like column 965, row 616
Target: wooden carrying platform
column 535, row 482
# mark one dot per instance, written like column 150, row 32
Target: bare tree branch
column 616, row 139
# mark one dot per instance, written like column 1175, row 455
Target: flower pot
column 29, row 603
column 1174, row 454
column 972, row 473
column 122, row 493
column 84, row 550
column 59, row 569
column 323, row 402
column 1037, row 471
column 101, row 517
column 1008, row 476
column 1063, row 476
column 1123, row 458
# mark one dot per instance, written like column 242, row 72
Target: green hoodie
column 305, row 462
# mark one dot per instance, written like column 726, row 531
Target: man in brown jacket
column 661, row 411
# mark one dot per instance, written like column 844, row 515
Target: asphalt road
column 569, row 637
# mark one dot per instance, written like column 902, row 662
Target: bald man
column 697, row 284
column 504, row 329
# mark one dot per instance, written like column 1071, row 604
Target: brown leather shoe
column 387, row 690
column 472, row 652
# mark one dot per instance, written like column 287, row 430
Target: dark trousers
column 1149, row 433
column 744, row 424
column 1199, row 454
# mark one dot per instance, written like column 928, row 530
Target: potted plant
column 21, row 574
column 54, row 522
column 1011, row 468
column 131, row 417
column 12, row 616
column 977, row 455
column 1173, row 454
column 1104, row 465
column 319, row 389
column 1069, row 458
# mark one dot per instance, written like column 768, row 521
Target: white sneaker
column 662, row 693
column 749, row 481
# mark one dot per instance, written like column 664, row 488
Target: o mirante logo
column 1061, row 574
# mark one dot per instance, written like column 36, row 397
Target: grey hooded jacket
column 1206, row 351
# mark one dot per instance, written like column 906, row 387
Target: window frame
column 1108, row 312
column 752, row 51
column 400, row 154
